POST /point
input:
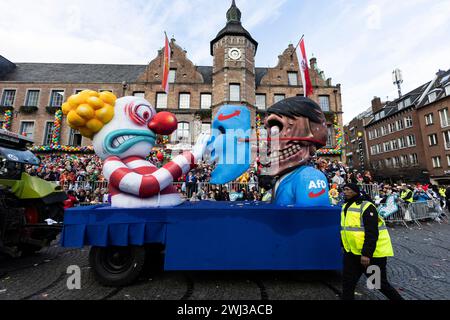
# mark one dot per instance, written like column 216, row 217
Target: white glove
column 199, row 149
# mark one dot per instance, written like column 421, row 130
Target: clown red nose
column 163, row 123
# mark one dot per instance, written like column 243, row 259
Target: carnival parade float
column 148, row 222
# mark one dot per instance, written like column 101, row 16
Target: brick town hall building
column 31, row 93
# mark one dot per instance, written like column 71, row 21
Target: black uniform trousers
column 353, row 269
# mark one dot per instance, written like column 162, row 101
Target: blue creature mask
column 231, row 148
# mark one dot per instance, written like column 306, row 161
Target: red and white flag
column 166, row 66
column 304, row 70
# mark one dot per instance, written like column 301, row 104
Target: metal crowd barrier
column 416, row 212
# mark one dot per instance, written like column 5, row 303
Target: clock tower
column 234, row 52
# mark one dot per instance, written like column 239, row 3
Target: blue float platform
column 209, row 235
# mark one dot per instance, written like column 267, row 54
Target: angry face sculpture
column 296, row 128
column 124, row 131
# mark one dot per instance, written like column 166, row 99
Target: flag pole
column 297, row 44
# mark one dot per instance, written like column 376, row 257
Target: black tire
column 117, row 266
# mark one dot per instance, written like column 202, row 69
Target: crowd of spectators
column 81, row 176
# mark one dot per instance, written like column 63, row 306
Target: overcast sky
column 357, row 43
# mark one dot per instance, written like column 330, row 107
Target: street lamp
column 361, row 149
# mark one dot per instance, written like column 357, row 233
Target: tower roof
column 233, row 27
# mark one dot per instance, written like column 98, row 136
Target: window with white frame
column 330, row 136
column 400, row 105
column 399, row 125
column 432, row 96
column 378, row 132
column 447, row 139
column 182, row 134
column 443, row 114
column 184, row 101
column 383, row 130
column 394, row 145
column 8, row 98
column 387, row 146
column 161, row 100
column 206, row 128
column 140, row 94
column 408, row 122
column 324, row 103
column 404, row 159
column 27, row 129
column 388, row 162
column 407, row 102
column 432, row 139
column 370, row 135
column 392, row 127
column 48, row 132
column 292, row 78
column 56, row 98
column 379, row 150
column 413, row 159
column 373, row 150
column 205, row 100
column 447, row 90
column 261, row 101
column 429, row 119
column 411, row 141
column 436, row 161
column 448, row 160
column 74, row 138
column 278, row 97
column 402, row 142
column 396, row 162
column 172, row 74
column 32, row 98
column 235, row 92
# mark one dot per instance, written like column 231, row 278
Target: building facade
column 408, row 139
column 32, row 93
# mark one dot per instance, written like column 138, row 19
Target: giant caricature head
column 119, row 127
column 296, row 127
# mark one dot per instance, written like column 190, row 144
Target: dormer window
column 447, row 90
column 432, row 97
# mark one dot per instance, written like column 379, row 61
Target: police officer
column 366, row 242
column 406, row 194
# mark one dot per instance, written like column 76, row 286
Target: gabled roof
column 74, row 73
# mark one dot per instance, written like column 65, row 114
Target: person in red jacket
column 71, row 200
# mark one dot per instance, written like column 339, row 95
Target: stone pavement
column 419, row 270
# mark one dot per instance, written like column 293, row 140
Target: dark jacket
column 370, row 220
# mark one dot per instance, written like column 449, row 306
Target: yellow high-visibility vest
column 352, row 231
column 405, row 193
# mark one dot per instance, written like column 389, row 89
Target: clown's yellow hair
column 88, row 111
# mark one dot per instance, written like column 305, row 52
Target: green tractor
column 31, row 209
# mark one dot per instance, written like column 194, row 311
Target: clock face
column 234, row 53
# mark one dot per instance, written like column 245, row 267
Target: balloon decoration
column 56, row 136
column 68, row 149
column 7, row 120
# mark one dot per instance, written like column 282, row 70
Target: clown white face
column 130, row 132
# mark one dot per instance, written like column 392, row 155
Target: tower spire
column 233, row 14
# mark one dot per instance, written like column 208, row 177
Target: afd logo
column 318, row 184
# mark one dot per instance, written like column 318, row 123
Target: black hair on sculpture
column 296, row 107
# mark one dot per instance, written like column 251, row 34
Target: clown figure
column 123, row 132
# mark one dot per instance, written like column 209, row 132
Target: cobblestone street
column 419, row 270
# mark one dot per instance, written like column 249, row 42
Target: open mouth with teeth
column 294, row 152
column 120, row 141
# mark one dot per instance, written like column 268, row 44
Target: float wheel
column 117, row 266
